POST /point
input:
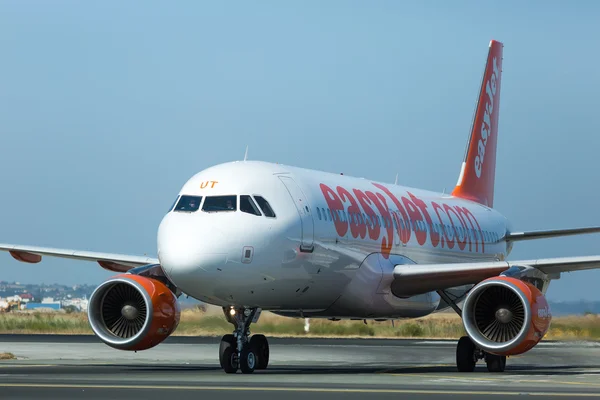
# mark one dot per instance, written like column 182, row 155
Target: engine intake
column 506, row 316
column 132, row 312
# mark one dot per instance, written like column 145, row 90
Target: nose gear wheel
column 239, row 350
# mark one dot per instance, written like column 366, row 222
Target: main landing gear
column 239, row 350
column 467, row 354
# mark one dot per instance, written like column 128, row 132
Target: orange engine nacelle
column 132, row 312
column 506, row 316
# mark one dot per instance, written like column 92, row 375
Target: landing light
column 232, row 312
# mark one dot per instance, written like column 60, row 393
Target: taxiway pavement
column 49, row 367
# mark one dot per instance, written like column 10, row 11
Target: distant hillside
column 559, row 308
column 574, row 307
column 60, row 292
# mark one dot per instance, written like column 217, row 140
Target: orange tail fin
column 476, row 180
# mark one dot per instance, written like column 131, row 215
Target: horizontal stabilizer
column 516, row 236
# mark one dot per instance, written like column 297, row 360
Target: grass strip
column 213, row 323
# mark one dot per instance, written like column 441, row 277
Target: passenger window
column 319, row 213
column 188, row 203
column 247, row 205
column 220, row 203
column 265, row 206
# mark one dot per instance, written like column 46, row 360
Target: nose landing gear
column 239, row 350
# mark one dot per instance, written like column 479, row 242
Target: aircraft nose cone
column 187, row 247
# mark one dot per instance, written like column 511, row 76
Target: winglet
column 477, row 174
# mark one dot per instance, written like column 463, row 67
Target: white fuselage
column 331, row 248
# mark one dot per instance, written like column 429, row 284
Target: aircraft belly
column 368, row 295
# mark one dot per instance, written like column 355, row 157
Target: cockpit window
column 175, row 202
column 220, row 203
column 188, row 203
column 265, row 206
column 247, row 205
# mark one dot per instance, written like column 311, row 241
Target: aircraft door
column 307, row 223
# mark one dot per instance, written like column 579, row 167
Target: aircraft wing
column 111, row 262
column 518, row 236
column 413, row 279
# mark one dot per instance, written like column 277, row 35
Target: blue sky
column 107, row 108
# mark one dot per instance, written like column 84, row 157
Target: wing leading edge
column 109, row 261
column 413, row 279
column 517, row 236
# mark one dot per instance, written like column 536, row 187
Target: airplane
column 253, row 236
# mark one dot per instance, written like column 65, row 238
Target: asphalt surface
column 64, row 367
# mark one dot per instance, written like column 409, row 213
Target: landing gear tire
column 247, row 360
column 240, row 350
column 495, row 363
column 260, row 346
column 228, row 356
column 465, row 355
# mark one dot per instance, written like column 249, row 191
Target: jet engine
column 506, row 316
column 133, row 312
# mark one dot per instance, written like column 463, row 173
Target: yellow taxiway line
column 500, row 380
column 291, row 389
